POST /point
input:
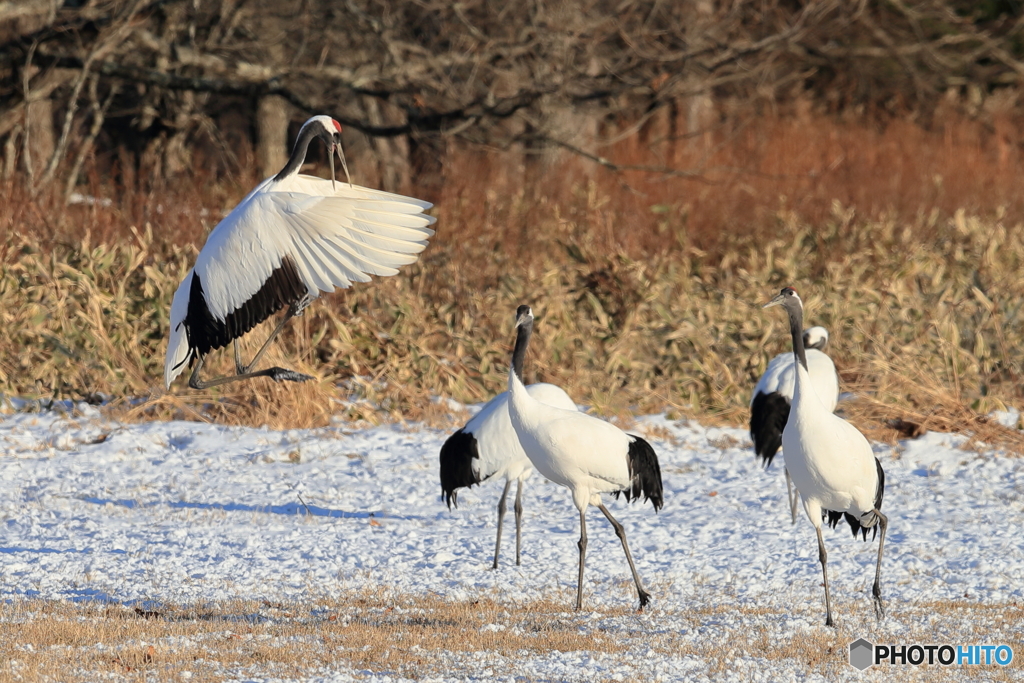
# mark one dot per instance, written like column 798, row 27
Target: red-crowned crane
column 487, row 448
column 830, row 461
column 769, row 407
column 290, row 239
column 586, row 455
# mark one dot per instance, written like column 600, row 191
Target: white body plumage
column 830, row 461
column 501, row 454
column 583, row 453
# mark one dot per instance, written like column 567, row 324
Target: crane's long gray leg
column 276, row 374
column 501, row 519
column 823, row 557
column 794, row 495
column 519, row 519
column 243, row 371
column 645, row 597
column 876, row 590
column 239, row 366
column 583, row 554
column 292, row 311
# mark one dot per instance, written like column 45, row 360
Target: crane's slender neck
column 298, row 156
column 796, row 322
column 519, row 352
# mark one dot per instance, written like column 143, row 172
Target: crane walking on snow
column 769, row 407
column 831, row 462
column 582, row 453
column 290, row 239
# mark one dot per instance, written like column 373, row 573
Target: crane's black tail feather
column 831, row 517
column 644, row 473
column 768, row 416
column 457, row 456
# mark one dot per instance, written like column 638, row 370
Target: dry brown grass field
column 905, row 241
column 427, row 636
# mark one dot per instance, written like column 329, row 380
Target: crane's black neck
column 796, row 322
column 519, row 352
column 298, row 156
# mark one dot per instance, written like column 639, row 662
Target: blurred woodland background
column 643, row 172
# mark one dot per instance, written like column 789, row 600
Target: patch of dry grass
column 417, row 636
column 409, row 636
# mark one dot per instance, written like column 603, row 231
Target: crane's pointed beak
column 344, row 164
column 776, row 301
column 330, row 157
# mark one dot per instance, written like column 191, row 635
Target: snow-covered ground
column 189, row 513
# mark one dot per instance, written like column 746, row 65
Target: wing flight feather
column 335, row 239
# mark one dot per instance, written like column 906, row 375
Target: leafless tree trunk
column 391, row 154
column 272, row 118
column 11, row 152
column 41, row 143
column 699, row 105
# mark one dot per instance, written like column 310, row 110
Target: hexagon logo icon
column 861, row 654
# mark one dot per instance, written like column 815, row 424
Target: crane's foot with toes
column 879, row 608
column 284, row 375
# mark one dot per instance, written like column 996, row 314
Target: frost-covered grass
column 241, row 553
column 378, row 635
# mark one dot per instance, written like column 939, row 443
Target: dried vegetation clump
column 643, row 302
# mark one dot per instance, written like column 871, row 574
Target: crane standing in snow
column 488, row 448
column 290, row 239
column 586, row 455
column 769, row 407
column 831, row 462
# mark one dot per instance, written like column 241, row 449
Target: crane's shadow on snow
column 11, row 550
column 92, row 595
column 83, row 595
column 288, row 509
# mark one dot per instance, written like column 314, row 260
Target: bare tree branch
column 99, row 112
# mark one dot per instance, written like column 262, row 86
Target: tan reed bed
column 928, row 332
